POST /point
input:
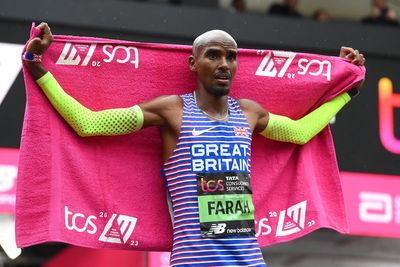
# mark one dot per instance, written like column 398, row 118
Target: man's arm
column 281, row 128
column 84, row 121
column 284, row 129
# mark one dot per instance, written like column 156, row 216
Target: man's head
column 213, row 60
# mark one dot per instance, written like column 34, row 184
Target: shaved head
column 213, row 36
column 213, row 60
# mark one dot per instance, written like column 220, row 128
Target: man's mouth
column 222, row 77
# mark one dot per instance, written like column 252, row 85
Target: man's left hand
column 353, row 55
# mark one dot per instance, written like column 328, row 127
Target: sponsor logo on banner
column 388, row 101
column 275, row 64
column 372, row 203
column 292, row 220
column 122, row 54
column 118, row 229
column 70, row 54
column 375, row 207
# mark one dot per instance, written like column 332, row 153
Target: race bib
column 225, row 204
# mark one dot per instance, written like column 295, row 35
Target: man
column 201, row 150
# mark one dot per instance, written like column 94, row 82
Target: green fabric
column 281, row 128
column 86, row 122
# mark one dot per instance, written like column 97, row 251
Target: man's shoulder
column 169, row 99
column 252, row 106
column 246, row 103
column 163, row 103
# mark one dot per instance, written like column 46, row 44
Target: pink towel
column 108, row 191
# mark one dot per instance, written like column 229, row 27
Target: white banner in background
column 10, row 66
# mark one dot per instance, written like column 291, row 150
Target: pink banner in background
column 8, row 175
column 372, row 203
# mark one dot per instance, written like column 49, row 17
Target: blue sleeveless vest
column 208, row 180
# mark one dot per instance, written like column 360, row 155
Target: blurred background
column 366, row 133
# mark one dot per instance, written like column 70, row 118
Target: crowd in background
column 380, row 12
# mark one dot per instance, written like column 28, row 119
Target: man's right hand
column 38, row 46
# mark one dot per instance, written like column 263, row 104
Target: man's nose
column 223, row 63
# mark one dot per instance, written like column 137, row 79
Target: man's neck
column 216, row 106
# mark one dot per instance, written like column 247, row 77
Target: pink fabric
column 108, row 191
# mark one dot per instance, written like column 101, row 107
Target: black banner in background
column 366, row 138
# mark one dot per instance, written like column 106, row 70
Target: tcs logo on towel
column 81, row 55
column 117, row 229
column 278, row 63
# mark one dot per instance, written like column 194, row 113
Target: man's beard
column 218, row 91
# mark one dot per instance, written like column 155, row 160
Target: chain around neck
column 208, row 115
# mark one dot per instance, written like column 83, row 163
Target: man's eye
column 212, row 56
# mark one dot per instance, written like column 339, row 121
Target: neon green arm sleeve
column 86, row 122
column 281, row 128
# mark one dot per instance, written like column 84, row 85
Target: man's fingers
column 47, row 38
column 42, row 25
column 346, row 51
column 352, row 54
column 46, row 35
column 359, row 60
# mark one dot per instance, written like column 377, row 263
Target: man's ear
column 192, row 63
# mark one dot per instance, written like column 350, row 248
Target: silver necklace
column 208, row 115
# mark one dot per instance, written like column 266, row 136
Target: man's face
column 215, row 65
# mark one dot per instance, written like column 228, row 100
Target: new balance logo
column 274, row 60
column 120, row 231
column 217, row 228
column 292, row 220
column 70, row 54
